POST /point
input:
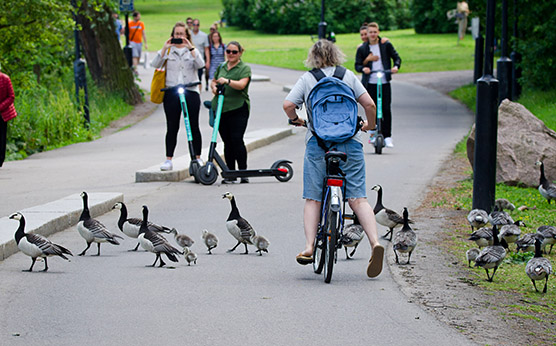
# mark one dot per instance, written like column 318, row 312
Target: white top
column 200, row 41
column 181, row 66
column 300, row 92
column 377, row 65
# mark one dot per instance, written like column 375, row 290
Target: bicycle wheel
column 318, row 251
column 330, row 244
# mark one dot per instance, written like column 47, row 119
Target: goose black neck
column 144, row 228
column 85, row 214
column 542, row 180
column 378, row 205
column 123, row 216
column 234, row 214
column 495, row 240
column 20, row 233
column 538, row 252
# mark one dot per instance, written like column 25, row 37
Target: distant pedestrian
column 235, row 75
column 201, row 42
column 118, row 25
column 462, row 12
column 189, row 22
column 136, row 38
column 216, row 56
column 182, row 62
column 7, row 112
column 378, row 55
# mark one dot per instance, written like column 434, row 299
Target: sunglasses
column 228, row 51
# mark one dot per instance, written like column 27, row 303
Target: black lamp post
column 486, row 125
column 516, row 59
column 127, row 48
column 80, row 77
column 322, row 24
column 504, row 64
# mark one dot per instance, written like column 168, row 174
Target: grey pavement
column 226, row 299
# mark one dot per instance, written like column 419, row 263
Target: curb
column 53, row 217
column 253, row 140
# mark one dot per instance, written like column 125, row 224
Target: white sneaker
column 388, row 142
column 166, row 166
column 200, row 162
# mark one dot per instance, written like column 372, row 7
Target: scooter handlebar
column 181, row 86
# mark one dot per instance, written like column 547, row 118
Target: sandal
column 303, row 259
column 375, row 263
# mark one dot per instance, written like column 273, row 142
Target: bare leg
column 366, row 217
column 311, row 214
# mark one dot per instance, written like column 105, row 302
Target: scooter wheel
column 379, row 144
column 193, row 168
column 288, row 176
column 206, row 176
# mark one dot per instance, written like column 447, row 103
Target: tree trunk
column 104, row 56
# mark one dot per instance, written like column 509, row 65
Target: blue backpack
column 332, row 108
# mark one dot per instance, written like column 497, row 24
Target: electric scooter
column 378, row 136
column 207, row 174
column 181, row 88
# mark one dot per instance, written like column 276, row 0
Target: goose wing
column 99, row 230
column 160, row 244
column 46, row 246
column 404, row 240
column 490, row 254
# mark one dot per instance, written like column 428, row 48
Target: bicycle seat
column 342, row 156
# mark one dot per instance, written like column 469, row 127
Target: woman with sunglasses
column 182, row 62
column 235, row 76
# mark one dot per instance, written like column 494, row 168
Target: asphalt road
column 233, row 299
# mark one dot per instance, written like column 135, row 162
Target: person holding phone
column 182, row 62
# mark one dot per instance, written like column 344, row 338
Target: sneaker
column 372, row 138
column 244, row 180
column 388, row 142
column 200, row 162
column 229, row 181
column 166, row 166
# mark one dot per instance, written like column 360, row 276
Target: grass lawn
column 419, row 53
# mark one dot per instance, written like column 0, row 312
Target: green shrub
column 302, row 17
column 430, row 16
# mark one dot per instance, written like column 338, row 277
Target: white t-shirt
column 200, row 41
column 300, row 92
column 377, row 65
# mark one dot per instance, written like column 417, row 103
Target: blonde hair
column 324, row 54
column 373, row 25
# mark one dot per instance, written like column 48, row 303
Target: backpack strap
column 339, row 72
column 317, row 73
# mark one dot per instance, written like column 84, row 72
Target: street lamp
column 486, row 125
column 322, row 24
column 504, row 64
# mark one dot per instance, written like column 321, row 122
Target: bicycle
column 332, row 214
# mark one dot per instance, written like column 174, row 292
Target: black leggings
column 386, row 106
column 232, row 128
column 3, row 138
column 172, row 109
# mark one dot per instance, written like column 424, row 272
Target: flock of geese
column 493, row 243
column 148, row 234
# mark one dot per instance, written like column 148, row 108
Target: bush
column 430, row 16
column 48, row 119
column 302, row 17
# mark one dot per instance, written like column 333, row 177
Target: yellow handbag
column 158, row 82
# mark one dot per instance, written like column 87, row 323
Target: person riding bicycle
column 324, row 55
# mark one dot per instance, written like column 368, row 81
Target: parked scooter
column 207, row 174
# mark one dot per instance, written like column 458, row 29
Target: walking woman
column 7, row 112
column 217, row 50
column 235, row 76
column 182, row 62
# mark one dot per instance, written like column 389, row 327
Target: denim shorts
column 314, row 169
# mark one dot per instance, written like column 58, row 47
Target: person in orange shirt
column 136, row 38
